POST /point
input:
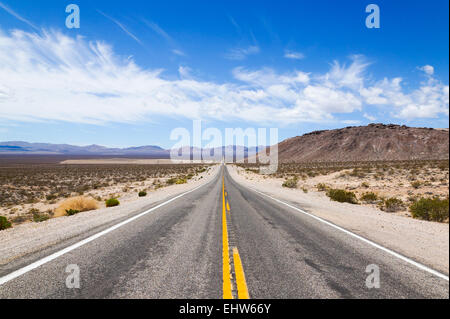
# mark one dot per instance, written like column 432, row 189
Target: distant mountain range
column 374, row 142
column 66, row 149
column 24, row 148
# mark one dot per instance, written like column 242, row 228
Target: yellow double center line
column 241, row 285
column 225, row 250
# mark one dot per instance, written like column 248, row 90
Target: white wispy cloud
column 242, row 53
column 178, row 52
column 351, row 76
column 351, row 122
column 293, row 55
column 120, row 25
column 185, row 72
column 266, row 77
column 64, row 78
column 17, row 16
column 163, row 34
column 370, row 117
column 236, row 26
column 157, row 29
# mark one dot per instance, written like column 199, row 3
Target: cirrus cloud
column 293, row 55
column 241, row 53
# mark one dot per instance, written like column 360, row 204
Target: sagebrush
column 342, row 196
column 433, row 209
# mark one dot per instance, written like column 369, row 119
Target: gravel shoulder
column 425, row 242
column 29, row 238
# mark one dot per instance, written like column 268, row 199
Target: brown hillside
column 375, row 142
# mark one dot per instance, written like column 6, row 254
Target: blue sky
column 135, row 70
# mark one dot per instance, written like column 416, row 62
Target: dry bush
column 392, row 205
column 342, row 196
column 416, row 184
column 321, row 187
column 369, row 198
column 433, row 209
column 291, row 182
column 79, row 203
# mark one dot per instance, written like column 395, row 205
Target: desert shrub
column 40, row 217
column 33, row 211
column 369, row 197
column 181, row 181
column 142, row 194
column 342, row 196
column 51, row 197
column 71, row 212
column 312, row 173
column 80, row 203
column 171, row 181
column 392, row 204
column 433, row 209
column 321, row 187
column 416, row 184
column 356, row 172
column 290, row 183
column 20, row 219
column 412, row 199
column 4, row 223
column 112, row 202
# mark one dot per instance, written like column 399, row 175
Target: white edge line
column 53, row 256
column 391, row 252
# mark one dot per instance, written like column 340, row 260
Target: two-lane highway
column 222, row 240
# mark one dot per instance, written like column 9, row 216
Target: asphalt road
column 221, row 240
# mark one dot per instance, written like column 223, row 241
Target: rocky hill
column 375, row 142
